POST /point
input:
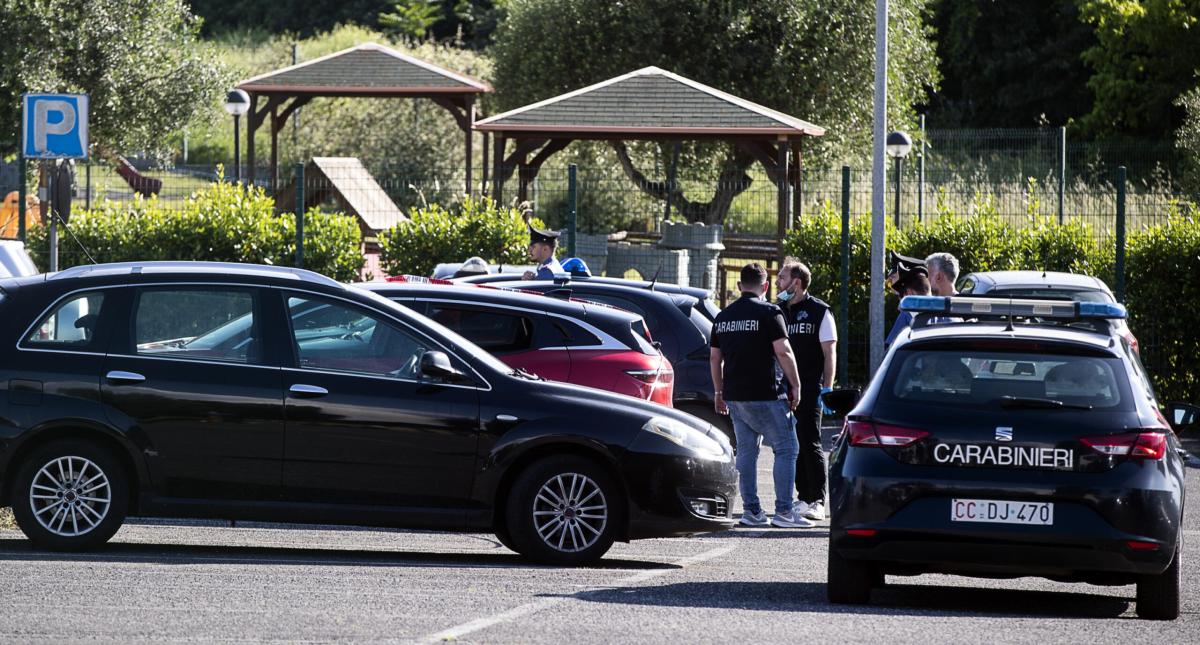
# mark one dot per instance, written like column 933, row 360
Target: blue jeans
column 754, row 421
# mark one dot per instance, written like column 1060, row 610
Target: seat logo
column 1004, row 433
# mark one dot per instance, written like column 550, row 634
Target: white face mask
column 785, row 296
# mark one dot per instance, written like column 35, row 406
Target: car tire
column 1158, row 595
column 849, row 581
column 564, row 510
column 505, row 539
column 70, row 495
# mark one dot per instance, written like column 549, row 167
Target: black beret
column 905, row 269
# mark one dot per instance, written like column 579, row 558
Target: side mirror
column 842, row 401
column 1182, row 416
column 437, row 365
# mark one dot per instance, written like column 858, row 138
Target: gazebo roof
column 366, row 70
column 648, row 102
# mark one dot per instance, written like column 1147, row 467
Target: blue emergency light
column 925, row 304
column 1022, row 307
column 1102, row 310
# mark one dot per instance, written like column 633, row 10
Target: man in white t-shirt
column 813, row 337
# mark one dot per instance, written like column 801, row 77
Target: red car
column 573, row 341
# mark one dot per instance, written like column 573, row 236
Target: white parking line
column 459, row 631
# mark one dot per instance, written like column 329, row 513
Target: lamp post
column 898, row 146
column 237, row 102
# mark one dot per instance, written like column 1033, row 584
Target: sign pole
column 49, row 174
column 878, row 233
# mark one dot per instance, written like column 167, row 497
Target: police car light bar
column 1025, row 308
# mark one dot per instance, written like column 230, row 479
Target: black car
column 677, row 318
column 130, row 390
column 1024, row 441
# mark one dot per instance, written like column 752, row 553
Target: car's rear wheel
column 564, row 510
column 1158, row 596
column 70, row 495
column 849, row 581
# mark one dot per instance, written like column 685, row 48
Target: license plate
column 1001, row 512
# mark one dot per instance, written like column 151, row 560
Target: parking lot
column 252, row 582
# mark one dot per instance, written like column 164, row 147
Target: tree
column 1016, row 63
column 809, row 58
column 139, row 62
column 1146, row 56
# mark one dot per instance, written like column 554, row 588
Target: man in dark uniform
column 813, row 337
column 906, row 277
column 542, row 245
column 748, row 341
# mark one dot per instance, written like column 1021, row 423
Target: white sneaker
column 800, row 507
column 790, row 520
column 814, row 511
column 754, row 519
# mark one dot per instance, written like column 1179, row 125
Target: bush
column 434, row 234
column 982, row 243
column 221, row 223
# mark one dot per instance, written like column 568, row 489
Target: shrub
column 220, row 223
column 434, row 234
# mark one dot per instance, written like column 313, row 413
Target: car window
column 496, row 332
column 72, row 324
column 573, row 335
column 979, row 378
column 1082, row 295
column 197, row 324
column 345, row 338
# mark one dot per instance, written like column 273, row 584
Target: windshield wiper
column 1040, row 404
column 523, row 373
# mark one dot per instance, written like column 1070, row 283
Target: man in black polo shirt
column 748, row 341
column 813, row 337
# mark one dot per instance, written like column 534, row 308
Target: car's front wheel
column 70, row 495
column 564, row 510
column 1158, row 596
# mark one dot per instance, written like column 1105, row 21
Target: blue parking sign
column 55, row 126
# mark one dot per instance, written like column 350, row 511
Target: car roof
column 582, row 288
column 192, row 269
column 662, row 287
column 498, row 295
column 997, row 330
column 1040, row 279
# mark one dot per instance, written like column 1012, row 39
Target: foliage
column 140, row 63
column 223, row 222
column 434, row 234
column 1187, row 137
column 809, row 58
column 410, row 18
column 1163, row 277
column 1015, row 63
column 981, row 243
column 1144, row 59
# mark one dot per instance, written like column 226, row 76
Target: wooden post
column 784, row 203
column 498, row 168
column 467, row 129
column 274, row 147
column 252, row 121
column 797, row 172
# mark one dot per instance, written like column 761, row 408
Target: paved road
column 213, row 582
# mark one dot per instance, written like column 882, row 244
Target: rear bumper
column 663, row 488
column 910, row 552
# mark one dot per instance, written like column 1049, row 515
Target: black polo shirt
column 746, row 332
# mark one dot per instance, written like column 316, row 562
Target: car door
column 190, row 373
column 363, row 425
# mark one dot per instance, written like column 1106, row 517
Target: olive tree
column 812, row 59
column 140, row 63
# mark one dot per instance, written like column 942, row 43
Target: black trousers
column 810, row 462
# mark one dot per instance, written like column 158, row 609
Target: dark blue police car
column 1024, row 441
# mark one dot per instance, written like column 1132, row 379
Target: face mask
column 785, row 296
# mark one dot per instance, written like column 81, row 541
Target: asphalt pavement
column 210, row 581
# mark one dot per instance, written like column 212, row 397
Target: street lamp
column 897, row 146
column 237, row 102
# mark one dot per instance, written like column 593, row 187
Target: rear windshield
column 987, row 378
column 702, row 322
column 642, row 337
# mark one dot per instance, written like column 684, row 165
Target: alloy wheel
column 570, row 512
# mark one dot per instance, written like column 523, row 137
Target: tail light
column 1150, row 445
column 867, row 433
column 1132, row 340
column 657, row 385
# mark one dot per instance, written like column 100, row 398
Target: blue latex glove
column 821, row 400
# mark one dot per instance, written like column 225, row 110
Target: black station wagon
column 193, row 390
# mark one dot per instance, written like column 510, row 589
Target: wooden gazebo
column 649, row 104
column 368, row 70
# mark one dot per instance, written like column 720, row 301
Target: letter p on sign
column 54, row 126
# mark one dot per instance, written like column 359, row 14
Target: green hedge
column 223, row 222
column 435, row 234
column 1162, row 276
